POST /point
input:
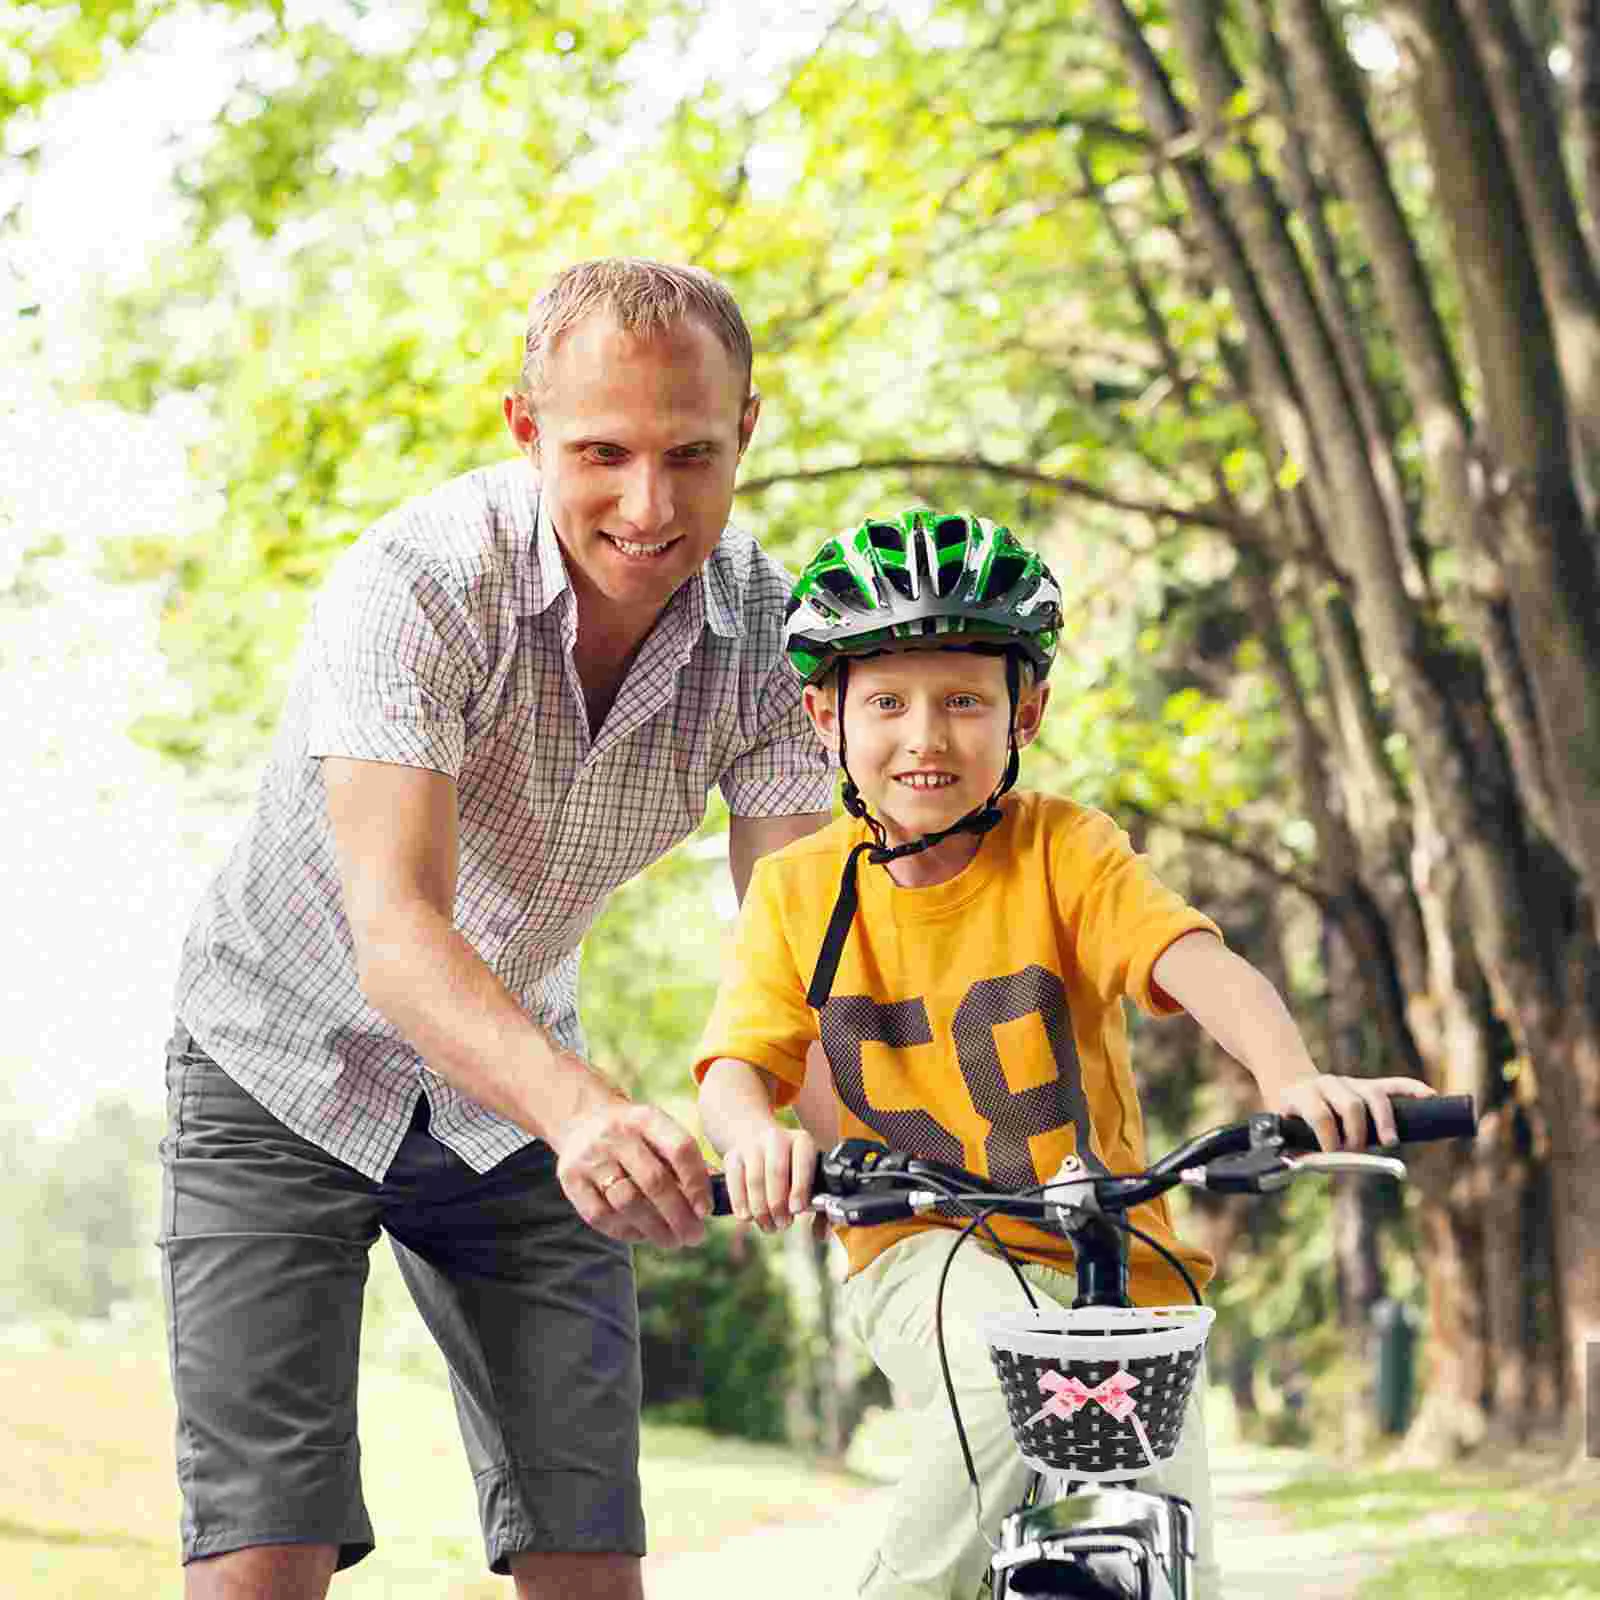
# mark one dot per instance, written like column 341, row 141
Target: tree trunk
column 1543, row 1279
column 1329, row 91
column 1306, row 197
column 1505, row 907
column 1453, row 1417
column 1566, row 1064
column 1270, row 380
column 1460, row 773
column 1519, row 89
column 1580, row 32
column 1517, row 1262
column 830, row 1406
column 1549, row 550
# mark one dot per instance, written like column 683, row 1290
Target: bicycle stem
column 1101, row 1251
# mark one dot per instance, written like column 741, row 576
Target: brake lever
column 854, row 1210
column 1348, row 1161
column 1257, row 1171
column 1263, row 1170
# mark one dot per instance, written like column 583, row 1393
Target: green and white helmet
column 928, row 575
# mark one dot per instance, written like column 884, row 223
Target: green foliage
column 50, row 46
column 650, row 968
column 715, row 1327
column 79, row 1215
column 406, row 200
column 403, row 197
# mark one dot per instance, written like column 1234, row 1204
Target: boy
column 968, row 998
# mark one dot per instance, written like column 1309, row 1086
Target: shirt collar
column 719, row 585
column 553, row 580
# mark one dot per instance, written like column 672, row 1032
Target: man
column 514, row 694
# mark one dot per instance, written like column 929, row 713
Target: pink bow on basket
column 1067, row 1395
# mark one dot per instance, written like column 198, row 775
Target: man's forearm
column 735, row 1099
column 426, row 979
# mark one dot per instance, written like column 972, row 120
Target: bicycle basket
column 1097, row 1393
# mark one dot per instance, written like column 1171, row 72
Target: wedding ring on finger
column 607, row 1184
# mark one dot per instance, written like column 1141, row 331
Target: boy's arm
column 1240, row 1008
column 815, row 1105
column 736, row 1101
column 769, row 1168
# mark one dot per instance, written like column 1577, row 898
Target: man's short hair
column 647, row 298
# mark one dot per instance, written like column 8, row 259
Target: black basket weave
column 1098, row 1393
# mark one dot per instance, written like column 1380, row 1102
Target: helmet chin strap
column 880, row 852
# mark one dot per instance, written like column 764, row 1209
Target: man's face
column 636, row 442
column 926, row 734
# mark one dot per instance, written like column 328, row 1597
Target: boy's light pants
column 931, row 1548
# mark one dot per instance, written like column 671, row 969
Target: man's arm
column 395, row 833
column 1241, row 1009
column 750, row 838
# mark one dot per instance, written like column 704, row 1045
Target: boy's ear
column 822, row 708
column 1030, row 713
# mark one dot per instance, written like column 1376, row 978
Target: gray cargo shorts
column 265, row 1238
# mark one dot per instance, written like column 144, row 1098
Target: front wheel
column 1100, row 1575
column 1077, row 1585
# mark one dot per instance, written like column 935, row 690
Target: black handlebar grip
column 1444, row 1116
column 721, row 1206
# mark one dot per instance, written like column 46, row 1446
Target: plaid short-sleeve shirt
column 443, row 639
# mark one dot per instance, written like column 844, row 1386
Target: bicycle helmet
column 934, row 580
column 927, row 576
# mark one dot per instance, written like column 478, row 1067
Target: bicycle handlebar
column 838, row 1173
column 1443, row 1116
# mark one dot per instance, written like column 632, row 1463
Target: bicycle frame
column 1137, row 1543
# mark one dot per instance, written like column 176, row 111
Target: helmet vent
column 1003, row 574
column 899, row 580
column 884, row 536
column 840, row 585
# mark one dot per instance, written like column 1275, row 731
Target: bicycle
column 1080, row 1530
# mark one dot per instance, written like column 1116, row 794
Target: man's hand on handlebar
column 1336, row 1107
column 634, row 1174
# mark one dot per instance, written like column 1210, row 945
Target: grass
column 1464, row 1533
column 88, row 1504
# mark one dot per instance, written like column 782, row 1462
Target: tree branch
column 1217, row 520
column 1263, row 865
column 1134, row 138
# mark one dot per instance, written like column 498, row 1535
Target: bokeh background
column 1276, row 323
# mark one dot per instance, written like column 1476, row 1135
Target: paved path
column 1263, row 1556
column 817, row 1552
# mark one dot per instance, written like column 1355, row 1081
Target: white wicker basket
column 1097, row 1393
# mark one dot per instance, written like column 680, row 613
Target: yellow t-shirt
column 979, row 1020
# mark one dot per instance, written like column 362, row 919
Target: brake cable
column 965, row 1197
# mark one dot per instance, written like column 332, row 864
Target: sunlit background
column 104, row 847
column 975, row 277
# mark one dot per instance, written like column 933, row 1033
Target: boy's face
column 925, row 733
